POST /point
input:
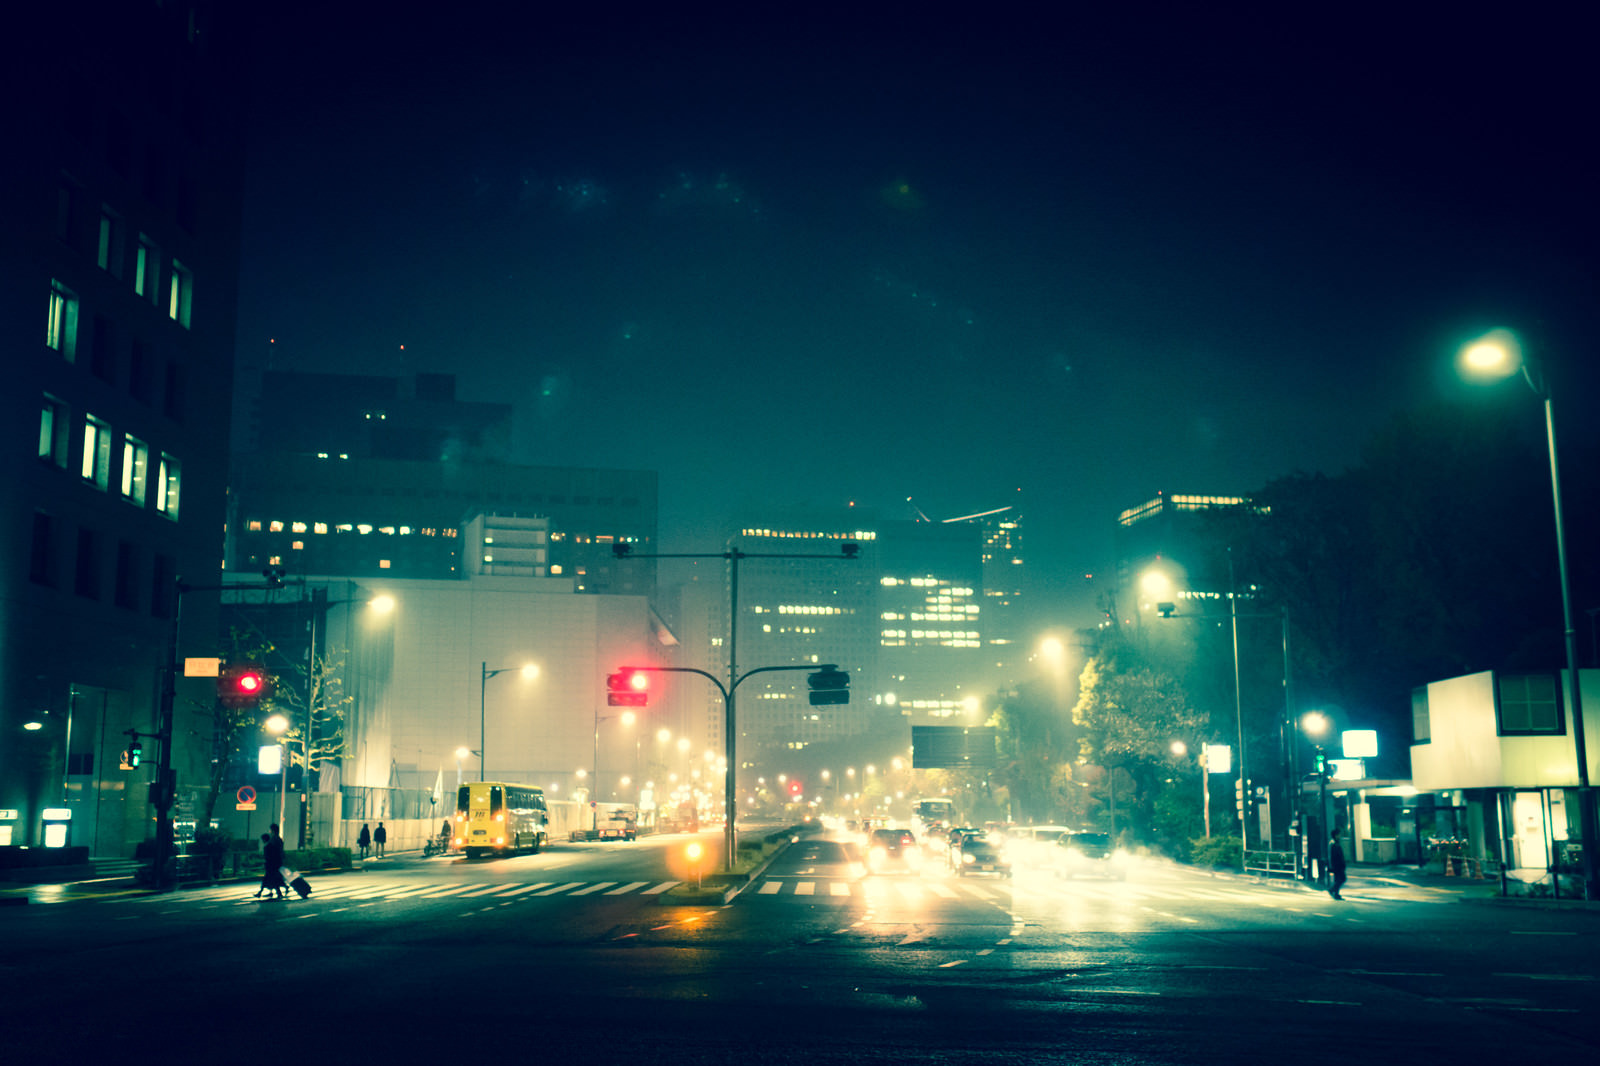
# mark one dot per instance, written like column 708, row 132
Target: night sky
column 946, row 254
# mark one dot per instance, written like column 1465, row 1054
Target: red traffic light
column 241, row 685
column 630, row 688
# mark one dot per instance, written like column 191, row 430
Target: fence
column 1272, row 863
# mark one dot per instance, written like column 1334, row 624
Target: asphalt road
column 578, row 952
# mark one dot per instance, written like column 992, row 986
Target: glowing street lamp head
column 1315, row 723
column 1156, row 584
column 381, row 604
column 530, row 671
column 1496, row 354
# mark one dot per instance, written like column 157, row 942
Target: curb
column 729, row 894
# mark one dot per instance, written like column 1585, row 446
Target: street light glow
column 1315, row 723
column 1495, row 354
column 382, row 604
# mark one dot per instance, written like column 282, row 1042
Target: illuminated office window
column 135, row 470
column 168, row 477
column 96, row 452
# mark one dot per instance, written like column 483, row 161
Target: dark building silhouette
column 121, row 196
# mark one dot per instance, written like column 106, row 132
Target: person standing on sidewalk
column 380, row 836
column 1335, row 867
column 364, row 839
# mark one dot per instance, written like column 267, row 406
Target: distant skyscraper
column 374, row 477
column 1170, row 533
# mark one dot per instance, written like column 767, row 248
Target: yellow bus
column 492, row 816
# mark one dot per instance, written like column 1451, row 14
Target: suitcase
column 301, row 886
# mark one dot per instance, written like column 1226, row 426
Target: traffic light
column 1238, row 796
column 131, row 757
column 797, row 788
column 241, row 685
column 1322, row 762
column 828, row 686
column 630, row 688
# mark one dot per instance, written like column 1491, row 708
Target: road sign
column 246, row 797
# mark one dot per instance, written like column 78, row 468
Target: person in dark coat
column 364, row 841
column 1335, row 867
column 272, row 858
column 379, row 837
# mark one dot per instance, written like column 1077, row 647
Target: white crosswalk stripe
column 355, row 889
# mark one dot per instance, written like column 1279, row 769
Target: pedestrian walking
column 379, row 837
column 1335, row 867
column 272, row 861
column 364, row 841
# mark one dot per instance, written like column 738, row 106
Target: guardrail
column 1272, row 863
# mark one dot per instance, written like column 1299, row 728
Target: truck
column 610, row 821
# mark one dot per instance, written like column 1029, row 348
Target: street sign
column 948, row 747
column 198, row 667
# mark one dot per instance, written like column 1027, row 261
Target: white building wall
column 1466, row 751
column 535, row 731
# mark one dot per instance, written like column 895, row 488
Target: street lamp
column 1498, row 354
column 529, row 671
column 1315, row 724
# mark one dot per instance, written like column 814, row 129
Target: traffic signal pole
column 163, row 793
column 730, row 784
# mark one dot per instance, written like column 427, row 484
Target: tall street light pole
column 528, row 670
column 1499, row 354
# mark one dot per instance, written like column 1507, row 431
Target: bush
column 1218, row 852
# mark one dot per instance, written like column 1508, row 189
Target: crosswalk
column 358, row 890
column 922, row 889
column 817, row 890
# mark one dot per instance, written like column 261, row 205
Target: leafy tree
column 1034, row 737
column 1130, row 714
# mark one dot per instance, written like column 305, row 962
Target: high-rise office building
column 373, row 477
column 121, row 194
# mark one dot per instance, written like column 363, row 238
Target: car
column 1033, row 846
column 981, row 855
column 893, row 849
column 955, row 838
column 1088, row 854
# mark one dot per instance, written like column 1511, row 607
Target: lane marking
column 1544, row 976
column 957, row 962
column 805, row 888
column 768, row 888
column 453, row 891
column 629, row 887
column 559, row 888
column 662, row 887
column 986, row 951
column 520, row 889
column 596, row 887
column 839, row 888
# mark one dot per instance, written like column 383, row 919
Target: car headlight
column 966, row 858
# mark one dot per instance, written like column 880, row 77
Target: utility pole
column 730, row 789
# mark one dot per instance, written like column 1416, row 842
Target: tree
column 1130, row 714
column 1034, row 738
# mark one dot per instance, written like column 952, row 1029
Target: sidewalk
column 1419, row 884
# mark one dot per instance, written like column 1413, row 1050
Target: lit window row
column 99, row 445
column 808, row 609
column 256, row 525
column 779, row 534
